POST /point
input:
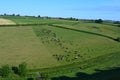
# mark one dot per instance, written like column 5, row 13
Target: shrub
column 118, row 25
column 118, row 39
column 15, row 69
column 5, row 71
column 22, row 69
column 44, row 76
column 99, row 21
column 117, row 22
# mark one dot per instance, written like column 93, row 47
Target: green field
column 61, row 48
column 20, row 44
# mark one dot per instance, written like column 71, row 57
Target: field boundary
column 84, row 32
column 87, row 32
column 77, row 65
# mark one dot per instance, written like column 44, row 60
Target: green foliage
column 15, row 69
column 44, row 76
column 5, row 71
column 117, row 22
column 86, row 66
column 118, row 25
column 118, row 39
column 93, row 56
column 39, row 16
column 78, row 45
column 22, row 70
column 99, row 21
column 13, row 77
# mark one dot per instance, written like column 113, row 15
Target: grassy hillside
column 6, row 22
column 35, row 20
column 20, row 44
column 60, row 47
column 74, row 44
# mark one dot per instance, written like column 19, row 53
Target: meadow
column 60, row 48
column 6, row 22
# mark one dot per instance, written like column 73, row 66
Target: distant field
column 6, row 22
column 107, row 30
column 34, row 20
column 70, row 44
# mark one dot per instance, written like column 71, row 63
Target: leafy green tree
column 44, row 76
column 117, row 22
column 13, row 14
column 99, row 21
column 18, row 15
column 118, row 25
column 118, row 39
column 15, row 69
column 39, row 16
column 22, row 70
column 5, row 14
column 5, row 71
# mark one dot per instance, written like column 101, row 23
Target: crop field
column 6, row 22
column 63, row 49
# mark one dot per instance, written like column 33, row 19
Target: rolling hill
column 59, row 47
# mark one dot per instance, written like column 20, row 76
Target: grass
column 91, row 66
column 20, row 44
column 70, row 40
column 6, row 22
column 90, row 46
column 35, row 20
column 60, row 47
column 96, row 28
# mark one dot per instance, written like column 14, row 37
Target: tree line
column 61, row 18
column 6, row 70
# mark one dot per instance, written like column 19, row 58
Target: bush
column 5, row 71
column 118, row 25
column 44, row 76
column 117, row 22
column 30, row 79
column 99, row 21
column 118, row 39
column 22, row 69
column 15, row 69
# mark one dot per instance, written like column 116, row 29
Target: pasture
column 20, row 44
column 60, row 48
column 6, row 22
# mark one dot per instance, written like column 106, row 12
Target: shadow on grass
column 85, row 32
column 111, row 74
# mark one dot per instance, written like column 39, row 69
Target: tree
column 15, row 69
column 22, row 69
column 39, row 16
column 117, row 22
column 99, row 21
column 5, row 71
column 118, row 39
column 44, row 76
column 118, row 25
column 13, row 14
column 18, row 15
column 5, row 14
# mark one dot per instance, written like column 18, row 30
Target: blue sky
column 83, row 9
